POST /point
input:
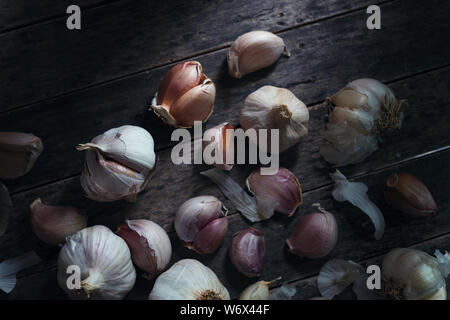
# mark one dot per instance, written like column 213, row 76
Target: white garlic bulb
column 188, row 279
column 119, row 164
column 103, row 261
column 363, row 110
column 410, row 274
column 253, row 51
column 270, row 108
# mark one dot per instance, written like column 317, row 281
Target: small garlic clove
column 408, row 194
column 258, row 290
column 336, row 275
column 248, row 251
column 53, row 224
column 149, row 244
column 221, row 139
column 314, row 235
column 5, row 208
column 270, row 108
column 211, row 236
column 253, row 51
column 195, row 105
column 350, row 98
column 18, row 153
column 283, row 187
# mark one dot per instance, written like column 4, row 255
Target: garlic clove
column 253, row 51
column 188, row 279
column 347, row 97
column 336, row 275
column 248, row 251
column 314, row 235
column 211, row 236
column 6, row 208
column 149, row 244
column 285, row 292
column 269, row 108
column 53, row 224
column 283, row 187
column 221, row 138
column 408, row 194
column 258, row 290
column 359, row 120
column 195, row 105
column 179, row 80
column 18, row 153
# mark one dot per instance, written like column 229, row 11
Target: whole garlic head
column 119, row 164
column 104, row 262
column 188, row 279
column 270, row 108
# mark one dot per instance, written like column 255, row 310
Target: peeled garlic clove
column 18, row 153
column 258, row 290
column 198, row 223
column 149, row 244
column 275, row 108
column 119, row 164
column 314, row 235
column 103, row 261
column 409, row 274
column 188, row 279
column 185, row 95
column 408, row 194
column 5, row 208
column 248, row 251
column 253, row 51
column 53, row 224
column 220, row 139
column 283, row 187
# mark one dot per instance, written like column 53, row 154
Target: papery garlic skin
column 270, row 108
column 185, row 95
column 257, row 291
column 52, row 224
column 314, row 235
column 104, row 261
column 363, row 110
column 149, row 244
column 408, row 194
column 119, row 164
column 220, row 138
column 336, row 275
column 199, row 225
column 409, row 274
column 248, row 252
column 253, row 51
column 188, row 279
column 18, row 153
column 283, row 187
column 6, row 208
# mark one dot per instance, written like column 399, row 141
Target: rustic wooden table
column 69, row 86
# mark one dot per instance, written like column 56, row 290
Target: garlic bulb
column 408, row 194
column 188, row 279
column 53, row 224
column 314, row 235
column 258, row 290
column 185, row 95
column 103, row 261
column 336, row 275
column 363, row 110
column 149, row 244
column 18, row 153
column 253, row 51
column 199, row 225
column 220, row 140
column 409, row 274
column 6, row 208
column 283, row 187
column 248, row 251
column 275, row 108
column 119, row 164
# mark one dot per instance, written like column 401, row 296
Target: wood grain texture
column 130, row 36
column 401, row 231
column 21, row 13
column 325, row 56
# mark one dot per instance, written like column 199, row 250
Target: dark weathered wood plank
column 401, row 231
column 131, row 36
column 20, row 13
column 316, row 69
